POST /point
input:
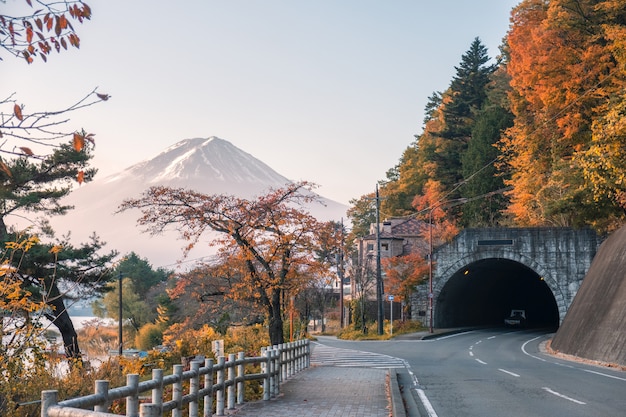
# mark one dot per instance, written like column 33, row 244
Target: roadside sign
column 390, row 297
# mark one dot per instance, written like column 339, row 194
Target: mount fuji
column 209, row 166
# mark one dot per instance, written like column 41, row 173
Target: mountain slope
column 210, row 166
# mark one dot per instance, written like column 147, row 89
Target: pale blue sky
column 326, row 91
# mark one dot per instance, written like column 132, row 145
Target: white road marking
column 420, row 392
column 492, row 337
column 508, row 372
column 454, row 335
column 566, row 365
column 602, row 374
column 528, row 354
column 481, row 362
column 564, row 396
column 427, row 405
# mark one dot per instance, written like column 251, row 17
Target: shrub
column 149, row 336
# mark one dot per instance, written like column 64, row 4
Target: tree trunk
column 61, row 319
column 275, row 320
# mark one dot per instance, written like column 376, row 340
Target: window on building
column 370, row 247
column 384, row 246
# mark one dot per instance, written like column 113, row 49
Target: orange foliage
column 404, row 273
column 436, row 208
column 270, row 242
column 42, row 30
column 563, row 70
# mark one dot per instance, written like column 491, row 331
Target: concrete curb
column 397, row 402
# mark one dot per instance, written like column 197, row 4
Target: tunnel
column 484, row 292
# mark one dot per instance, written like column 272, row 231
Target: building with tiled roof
column 398, row 237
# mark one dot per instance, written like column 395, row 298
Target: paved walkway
column 326, row 391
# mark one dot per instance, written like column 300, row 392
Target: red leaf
column 86, row 11
column 26, row 150
column 57, row 27
column 80, row 177
column 78, row 142
column 4, row 168
column 17, row 110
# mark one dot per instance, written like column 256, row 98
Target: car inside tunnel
column 483, row 293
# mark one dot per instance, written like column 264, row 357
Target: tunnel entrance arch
column 483, row 292
column 559, row 257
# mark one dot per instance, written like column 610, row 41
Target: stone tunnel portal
column 484, row 292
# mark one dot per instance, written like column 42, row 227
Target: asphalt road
column 499, row 372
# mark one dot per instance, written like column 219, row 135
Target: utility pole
column 120, row 334
column 342, row 314
column 379, row 279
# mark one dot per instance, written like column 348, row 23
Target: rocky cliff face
column 594, row 327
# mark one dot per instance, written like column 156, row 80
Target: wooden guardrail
column 210, row 386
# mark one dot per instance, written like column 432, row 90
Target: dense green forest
column 534, row 137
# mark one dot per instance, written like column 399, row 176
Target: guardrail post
column 48, row 398
column 276, row 372
column 297, row 356
column 150, row 410
column 283, row 352
column 231, row 381
column 157, row 393
column 177, row 391
column 194, row 387
column 265, row 368
column 270, row 370
column 307, row 353
column 132, row 401
column 208, row 383
column 219, row 397
column 291, row 357
column 241, row 372
column 102, row 388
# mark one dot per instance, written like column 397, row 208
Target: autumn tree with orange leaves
column 567, row 76
column 271, row 242
column 204, row 295
column 404, row 273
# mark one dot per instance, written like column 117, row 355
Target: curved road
column 498, row 372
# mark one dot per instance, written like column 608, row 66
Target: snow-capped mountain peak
column 210, row 166
column 212, row 159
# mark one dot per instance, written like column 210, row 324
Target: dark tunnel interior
column 484, row 293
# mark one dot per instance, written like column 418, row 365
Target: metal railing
column 218, row 386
